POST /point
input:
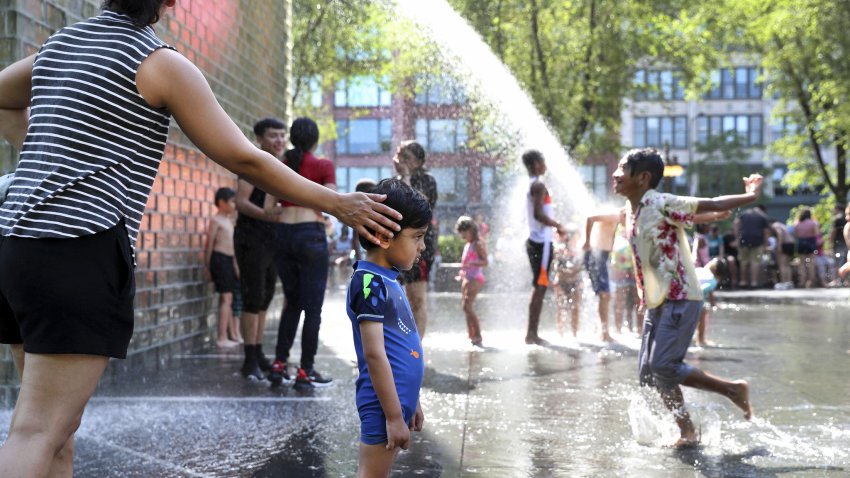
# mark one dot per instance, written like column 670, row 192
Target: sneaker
column 253, row 373
column 263, row 362
column 279, row 374
column 312, row 379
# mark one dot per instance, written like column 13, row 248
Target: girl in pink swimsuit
column 471, row 277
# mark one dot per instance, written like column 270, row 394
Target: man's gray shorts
column 667, row 334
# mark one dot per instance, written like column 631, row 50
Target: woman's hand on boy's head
column 753, row 184
column 365, row 213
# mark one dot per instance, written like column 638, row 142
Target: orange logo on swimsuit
column 414, row 353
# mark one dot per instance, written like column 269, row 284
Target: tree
column 575, row 57
column 804, row 49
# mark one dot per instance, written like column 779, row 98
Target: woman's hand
column 366, row 215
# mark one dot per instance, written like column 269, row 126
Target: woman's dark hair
column 804, row 214
column 261, row 126
column 530, row 158
column 649, row 160
column 142, row 12
column 414, row 149
column 410, row 203
column 303, row 134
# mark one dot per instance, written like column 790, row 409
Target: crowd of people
column 74, row 209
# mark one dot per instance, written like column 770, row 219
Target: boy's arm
column 752, row 188
column 538, row 194
column 707, row 217
column 372, row 334
column 612, row 218
column 212, row 233
column 271, row 207
column 418, row 418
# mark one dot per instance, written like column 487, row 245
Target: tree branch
column 587, row 102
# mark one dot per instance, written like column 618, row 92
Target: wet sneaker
column 312, row 379
column 253, row 373
column 279, row 374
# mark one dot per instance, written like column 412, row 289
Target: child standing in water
column 667, row 283
column 221, row 267
column 388, row 345
column 472, row 262
column 567, row 264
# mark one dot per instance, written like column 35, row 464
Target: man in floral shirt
column 667, row 283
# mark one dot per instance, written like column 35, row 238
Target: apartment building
column 736, row 106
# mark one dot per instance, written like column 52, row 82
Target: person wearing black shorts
column 254, row 241
column 221, row 268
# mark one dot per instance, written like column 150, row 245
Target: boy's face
column 273, row 141
column 405, row 247
column 624, row 183
column 227, row 206
column 539, row 167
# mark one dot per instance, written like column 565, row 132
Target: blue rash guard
column 374, row 294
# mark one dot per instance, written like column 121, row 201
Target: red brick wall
column 240, row 47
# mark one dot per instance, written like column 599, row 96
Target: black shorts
column 807, row 245
column 68, row 296
column 788, row 248
column 223, row 273
column 534, row 250
column 257, row 273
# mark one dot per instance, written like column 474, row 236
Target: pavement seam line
column 147, row 457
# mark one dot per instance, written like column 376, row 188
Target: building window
column 363, row 136
column 735, row 83
column 439, row 90
column 748, row 129
column 442, row 135
column 361, row 92
column 452, row 185
column 660, row 131
column 782, row 127
column 596, row 179
column 347, row 178
column 658, row 85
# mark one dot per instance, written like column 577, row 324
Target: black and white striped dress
column 93, row 144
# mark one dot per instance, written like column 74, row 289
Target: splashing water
column 488, row 80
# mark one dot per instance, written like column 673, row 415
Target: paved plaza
column 571, row 409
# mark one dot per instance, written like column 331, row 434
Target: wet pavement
column 510, row 410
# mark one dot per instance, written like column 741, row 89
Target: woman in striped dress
column 101, row 93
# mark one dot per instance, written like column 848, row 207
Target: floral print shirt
column 663, row 265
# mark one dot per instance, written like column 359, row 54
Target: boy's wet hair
column 530, row 157
column 223, row 194
column 646, row 160
column 466, row 223
column 365, row 185
column 261, row 126
column 410, row 203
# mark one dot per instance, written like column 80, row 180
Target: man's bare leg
column 604, row 302
column 737, row 391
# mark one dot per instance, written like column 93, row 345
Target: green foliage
column 451, row 248
column 575, row 57
column 802, row 46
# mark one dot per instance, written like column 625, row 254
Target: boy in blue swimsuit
column 389, row 351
